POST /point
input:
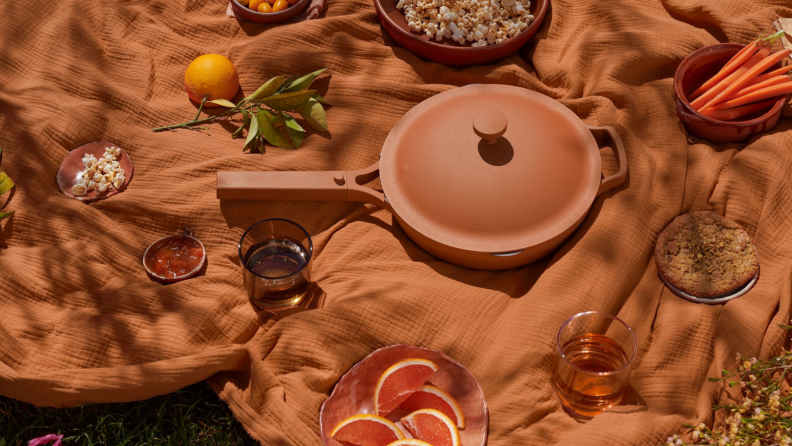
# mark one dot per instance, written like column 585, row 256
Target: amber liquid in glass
column 280, row 259
column 588, row 394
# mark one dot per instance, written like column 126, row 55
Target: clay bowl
column 152, row 249
column 354, row 392
column 696, row 69
column 69, row 170
column 273, row 17
column 448, row 52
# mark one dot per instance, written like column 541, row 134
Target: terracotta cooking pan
column 483, row 176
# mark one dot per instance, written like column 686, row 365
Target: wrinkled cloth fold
column 81, row 322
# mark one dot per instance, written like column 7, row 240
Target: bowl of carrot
column 729, row 92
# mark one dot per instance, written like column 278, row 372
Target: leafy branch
column 265, row 113
column 761, row 416
column 5, row 185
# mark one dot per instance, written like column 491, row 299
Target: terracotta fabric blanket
column 81, row 322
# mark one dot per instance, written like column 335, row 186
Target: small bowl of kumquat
column 729, row 92
column 268, row 11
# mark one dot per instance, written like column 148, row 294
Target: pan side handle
column 301, row 186
column 609, row 133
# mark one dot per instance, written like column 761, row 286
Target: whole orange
column 213, row 75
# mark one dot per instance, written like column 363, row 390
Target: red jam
column 175, row 257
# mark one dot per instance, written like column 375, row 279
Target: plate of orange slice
column 405, row 396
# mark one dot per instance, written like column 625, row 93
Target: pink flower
column 46, row 439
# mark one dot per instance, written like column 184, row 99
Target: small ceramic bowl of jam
column 175, row 257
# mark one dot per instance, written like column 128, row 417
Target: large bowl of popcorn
column 462, row 32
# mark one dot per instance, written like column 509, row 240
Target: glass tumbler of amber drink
column 593, row 361
column 276, row 263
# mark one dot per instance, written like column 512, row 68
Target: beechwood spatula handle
column 301, row 186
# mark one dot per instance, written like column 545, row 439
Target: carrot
column 765, row 93
column 769, row 74
column 728, row 92
column 720, row 86
column 737, row 112
column 760, row 85
column 753, row 46
column 735, row 62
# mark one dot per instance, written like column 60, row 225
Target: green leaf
column 287, row 82
column 288, row 101
column 266, row 90
column 257, row 145
column 223, row 102
column 321, row 99
column 245, row 122
column 253, row 133
column 314, row 115
column 304, row 82
column 773, row 37
column 4, row 215
column 274, row 130
column 5, row 183
column 296, row 132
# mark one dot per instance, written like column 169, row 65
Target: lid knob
column 490, row 125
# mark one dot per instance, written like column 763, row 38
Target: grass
column 192, row 416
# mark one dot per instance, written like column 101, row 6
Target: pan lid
column 490, row 168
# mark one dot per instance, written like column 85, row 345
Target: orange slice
column 366, row 430
column 400, row 381
column 409, row 442
column 433, row 427
column 430, row 397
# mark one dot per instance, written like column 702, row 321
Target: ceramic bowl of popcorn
column 94, row 171
column 463, row 45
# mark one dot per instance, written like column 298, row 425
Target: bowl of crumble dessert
column 462, row 32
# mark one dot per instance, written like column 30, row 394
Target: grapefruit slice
column 366, row 430
column 433, row 427
column 430, row 397
column 400, row 381
column 409, row 442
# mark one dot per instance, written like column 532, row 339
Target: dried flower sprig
column 763, row 417
column 5, row 185
column 265, row 113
